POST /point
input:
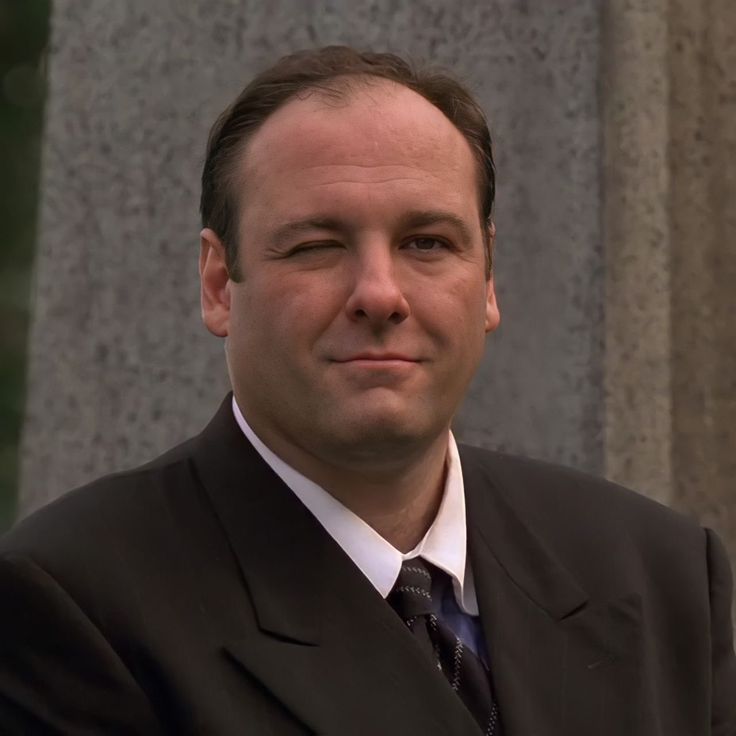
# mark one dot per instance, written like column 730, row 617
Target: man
column 322, row 558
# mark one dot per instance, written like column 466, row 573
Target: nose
column 377, row 297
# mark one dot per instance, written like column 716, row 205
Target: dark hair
column 325, row 70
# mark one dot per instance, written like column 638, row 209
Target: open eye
column 427, row 244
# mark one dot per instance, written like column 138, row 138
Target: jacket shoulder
column 556, row 494
column 104, row 511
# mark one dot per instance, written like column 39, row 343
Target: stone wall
column 614, row 132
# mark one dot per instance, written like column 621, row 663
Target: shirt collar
column 444, row 545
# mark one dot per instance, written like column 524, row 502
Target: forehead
column 379, row 133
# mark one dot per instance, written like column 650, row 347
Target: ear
column 214, row 282
column 493, row 315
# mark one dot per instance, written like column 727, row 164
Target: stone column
column 636, row 227
column 702, row 52
column 669, row 121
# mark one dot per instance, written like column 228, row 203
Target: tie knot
column 412, row 593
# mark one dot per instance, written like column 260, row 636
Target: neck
column 400, row 504
column 397, row 496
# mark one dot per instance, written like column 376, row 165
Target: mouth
column 369, row 357
column 377, row 356
column 370, row 369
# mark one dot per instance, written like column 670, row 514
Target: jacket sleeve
column 58, row 673
column 723, row 708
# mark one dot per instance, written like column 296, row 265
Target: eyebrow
column 407, row 221
column 424, row 218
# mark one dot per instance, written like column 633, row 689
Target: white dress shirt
column 444, row 545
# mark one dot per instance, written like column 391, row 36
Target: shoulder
column 121, row 549
column 536, row 483
column 589, row 520
column 106, row 516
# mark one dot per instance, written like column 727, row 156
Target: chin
column 384, row 432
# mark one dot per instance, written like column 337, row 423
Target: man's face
column 362, row 310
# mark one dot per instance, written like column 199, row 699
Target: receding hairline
column 339, row 90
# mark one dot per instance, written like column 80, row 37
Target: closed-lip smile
column 377, row 357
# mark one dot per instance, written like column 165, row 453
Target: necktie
column 411, row 598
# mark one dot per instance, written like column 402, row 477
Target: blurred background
column 23, row 39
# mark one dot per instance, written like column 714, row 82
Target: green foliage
column 23, row 39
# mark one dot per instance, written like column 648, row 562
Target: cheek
column 458, row 307
column 281, row 310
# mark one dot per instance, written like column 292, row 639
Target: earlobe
column 214, row 283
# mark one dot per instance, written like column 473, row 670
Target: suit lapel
column 324, row 641
column 562, row 664
column 332, row 651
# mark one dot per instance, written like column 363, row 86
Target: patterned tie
column 411, row 598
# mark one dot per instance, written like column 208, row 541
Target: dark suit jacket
column 196, row 595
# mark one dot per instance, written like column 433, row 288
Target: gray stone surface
column 703, row 194
column 120, row 367
column 669, row 120
column 638, row 246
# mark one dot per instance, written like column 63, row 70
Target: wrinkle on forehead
column 390, row 180
column 325, row 174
